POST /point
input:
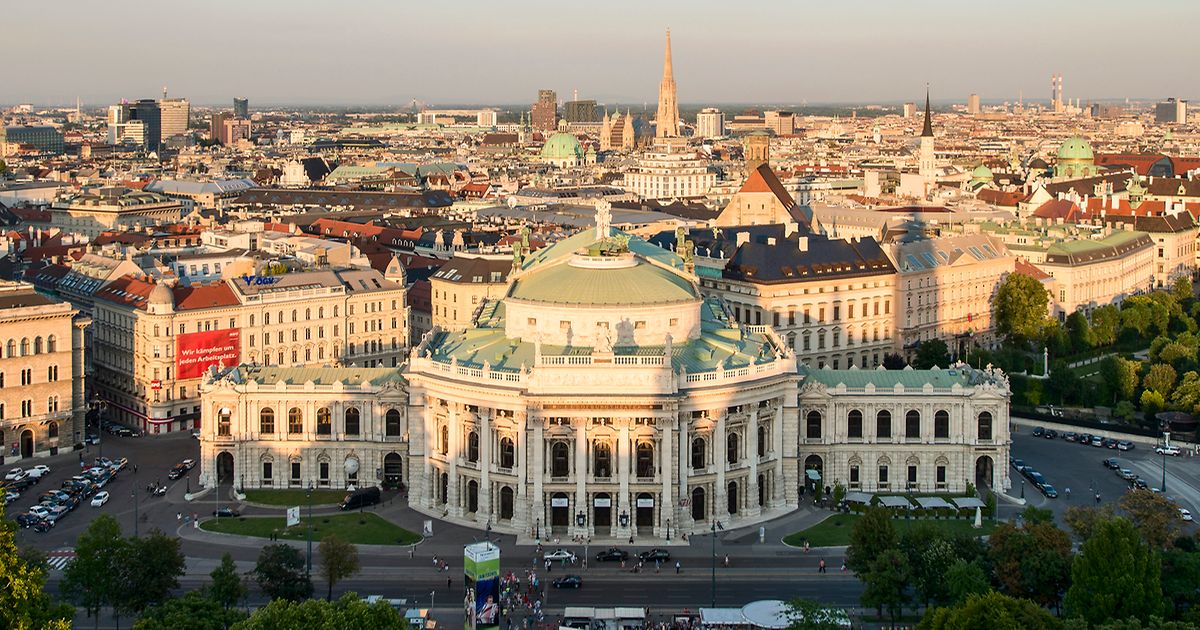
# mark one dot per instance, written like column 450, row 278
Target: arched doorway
column 472, row 496
column 393, row 471
column 560, row 510
column 813, row 472
column 732, row 497
column 983, row 472
column 698, row 508
column 644, row 506
column 224, row 467
column 602, row 512
column 27, row 443
column 506, row 503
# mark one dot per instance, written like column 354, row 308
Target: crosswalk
column 59, row 558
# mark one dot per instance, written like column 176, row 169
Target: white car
column 100, row 499
column 1185, row 514
column 14, row 474
column 560, row 555
column 11, row 496
column 40, row 511
column 1166, row 450
column 37, row 471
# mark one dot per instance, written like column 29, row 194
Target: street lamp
column 1022, row 488
column 624, row 518
column 309, row 494
column 714, row 563
column 668, row 529
column 1166, row 443
column 99, row 405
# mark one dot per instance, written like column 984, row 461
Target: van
column 361, row 498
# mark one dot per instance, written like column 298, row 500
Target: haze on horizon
column 383, row 52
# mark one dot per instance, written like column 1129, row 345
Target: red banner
column 196, row 352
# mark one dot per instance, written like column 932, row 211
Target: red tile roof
column 1060, row 209
column 763, row 180
column 204, row 296
column 1027, row 269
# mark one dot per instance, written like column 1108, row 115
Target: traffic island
column 835, row 530
column 359, row 529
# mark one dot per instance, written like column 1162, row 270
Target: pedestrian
column 677, row 567
column 806, row 546
column 1068, row 493
column 1097, row 498
column 843, row 566
column 435, row 561
column 821, row 566
column 135, row 469
column 449, row 581
column 727, row 561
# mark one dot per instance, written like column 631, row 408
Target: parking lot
column 1081, row 468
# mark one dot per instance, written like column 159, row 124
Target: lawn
column 835, row 530
column 294, row 496
column 372, row 530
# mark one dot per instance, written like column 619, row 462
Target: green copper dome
column 982, row 174
column 562, row 146
column 1076, row 149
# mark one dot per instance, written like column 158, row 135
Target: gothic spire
column 927, row 131
column 667, row 120
column 668, row 71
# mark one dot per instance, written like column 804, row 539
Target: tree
column 1121, row 375
column 193, row 611
column 1035, row 515
column 349, row 613
column 339, row 560
column 964, row 579
column 1063, row 382
column 1152, row 402
column 1021, row 307
column 931, row 352
column 227, row 588
column 1106, row 325
column 1186, row 396
column 1079, row 332
column 93, row 579
column 1180, row 575
column 872, row 535
column 1156, row 517
column 929, row 556
column 1116, row 576
column 1182, row 289
column 990, row 610
column 3, row 167
column 806, row 614
column 1125, row 410
column 893, row 361
column 1033, row 561
column 150, row 570
column 24, row 604
column 886, row 584
column 1082, row 519
column 1160, row 378
column 280, row 573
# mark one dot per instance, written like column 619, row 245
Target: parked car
column 1038, row 431
column 10, row 496
column 91, row 439
column 1111, row 443
column 612, row 554
column 27, row 519
column 1112, row 463
column 226, row 512
column 1185, row 514
column 100, row 499
column 37, row 471
column 1051, row 434
column 560, row 555
column 1138, row 482
column 1166, row 450
column 196, row 434
column 176, row 472
column 57, row 512
column 188, row 463
column 570, row 581
column 42, row 525
column 1070, row 436
column 1126, row 474
column 1019, row 465
column 1085, row 438
column 1125, row 445
column 655, row 555
column 1030, row 472
column 15, row 474
column 1097, row 441
column 120, row 464
column 1037, row 479
column 1049, row 491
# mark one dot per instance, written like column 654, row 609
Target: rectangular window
column 854, row 476
column 883, row 476
column 295, row 472
column 912, row 477
column 941, row 477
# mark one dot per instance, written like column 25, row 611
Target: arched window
column 472, row 496
column 52, row 430
column 445, row 441
column 445, row 482
column 51, row 344
column 698, row 511
column 883, row 424
column 507, row 453
column 941, row 424
column 698, row 453
column 25, row 346
column 295, row 421
column 473, row 447
column 11, row 349
column 854, row 427
column 731, row 448
column 350, row 421
column 224, row 422
column 506, row 503
column 601, row 459
column 813, row 425
column 559, row 459
column 762, row 441
column 266, row 421
column 324, row 421
column 645, row 460
column 985, row 426
column 391, row 423
column 912, row 424
column 37, row 345
column 732, row 497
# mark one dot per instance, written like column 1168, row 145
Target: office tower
column 710, row 123
column 234, row 129
column 117, row 115
column 757, row 151
column 44, row 138
column 1171, row 111
column 666, row 123
column 579, row 111
column 175, row 114
column 545, row 111
column 973, row 104
column 910, row 110
column 216, row 125
column 781, row 123
column 147, row 111
column 133, row 132
column 241, row 107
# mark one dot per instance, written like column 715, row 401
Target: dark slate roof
column 475, row 270
column 351, row 198
column 824, row 259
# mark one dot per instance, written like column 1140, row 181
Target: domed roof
column 561, row 146
column 594, row 281
column 1076, row 149
column 982, row 173
column 161, row 295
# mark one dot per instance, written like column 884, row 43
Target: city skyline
column 286, row 57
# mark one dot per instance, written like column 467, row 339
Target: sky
column 388, row 52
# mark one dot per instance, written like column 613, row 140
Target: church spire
column 668, row 71
column 927, row 132
column 667, row 121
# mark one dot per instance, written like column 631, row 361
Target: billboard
column 481, row 606
column 198, row 351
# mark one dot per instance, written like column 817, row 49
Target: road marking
column 59, row 558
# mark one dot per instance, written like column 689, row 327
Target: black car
column 25, row 519
column 226, row 512
column 1070, row 436
column 612, row 554
column 1112, row 463
column 570, row 581
column 1085, row 439
column 655, row 555
column 1051, row 434
column 177, row 471
column 42, row 525
column 1038, row 431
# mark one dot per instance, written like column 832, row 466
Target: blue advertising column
column 481, row 602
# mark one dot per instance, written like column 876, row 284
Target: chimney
column 743, row 238
column 803, row 243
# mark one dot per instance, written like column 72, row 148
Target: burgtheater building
column 601, row 396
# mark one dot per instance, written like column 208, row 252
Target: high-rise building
column 710, row 123
column 234, row 129
column 1171, row 111
column 216, row 124
column 117, row 115
column 910, row 110
column 580, row 111
column 175, row 115
column 241, row 107
column 44, row 138
column 973, row 104
column 781, row 123
column 545, row 111
column 147, row 111
column 666, row 123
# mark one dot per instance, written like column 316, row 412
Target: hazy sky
column 502, row 51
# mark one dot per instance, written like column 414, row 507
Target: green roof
column 562, row 145
column 1075, row 148
column 643, row 283
column 942, row 378
column 318, row 375
column 1084, row 245
column 586, row 237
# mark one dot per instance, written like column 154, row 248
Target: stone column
column 452, row 497
column 485, row 465
column 786, row 466
column 522, row 521
column 666, row 511
column 581, row 470
column 720, row 507
column 622, row 504
column 538, row 450
column 431, row 494
column 753, row 509
column 684, row 454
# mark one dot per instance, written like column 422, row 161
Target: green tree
column 1152, row 402
column 24, row 604
column 929, row 556
column 1182, row 289
column 280, row 573
column 872, row 535
column 964, row 579
column 1082, row 519
column 1180, row 575
column 1116, row 576
column 1121, row 375
column 1186, row 396
column 150, row 569
column 991, row 610
column 1106, row 325
column 806, row 614
column 1033, row 561
column 1063, row 383
column 1125, row 410
column 339, row 560
column 1160, row 378
column 931, row 352
column 1155, row 516
column 93, row 579
column 1079, row 332
column 3, row 167
column 1036, row 516
column 1155, row 623
column 886, row 584
column 893, row 361
column 193, row 611
column 347, row 613
column 227, row 588
column 1021, row 307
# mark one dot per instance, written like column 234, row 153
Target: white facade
column 670, row 171
column 710, row 123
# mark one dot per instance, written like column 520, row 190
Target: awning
column 933, row 502
column 858, row 497
column 813, row 474
column 968, row 502
column 895, row 502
